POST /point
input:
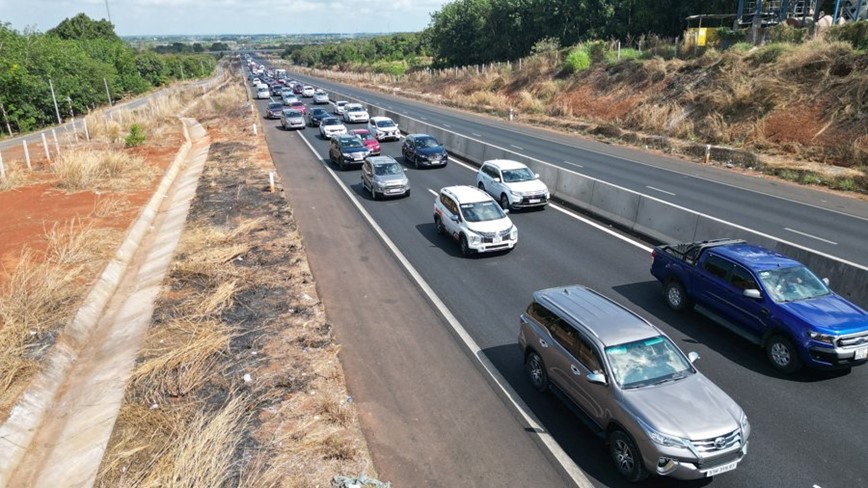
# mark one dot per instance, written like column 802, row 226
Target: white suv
column 513, row 184
column 474, row 219
column 384, row 128
column 355, row 112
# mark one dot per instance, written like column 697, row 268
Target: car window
column 717, row 266
column 564, row 335
column 794, row 283
column 646, row 362
column 385, row 123
column 539, row 313
column 742, row 279
column 482, row 211
column 517, row 175
column 448, row 204
column 587, row 355
column 387, row 169
column 352, row 143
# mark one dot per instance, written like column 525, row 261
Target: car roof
column 380, row 118
column 360, row 131
column 355, row 105
column 606, row 319
column 381, row 160
column 291, row 111
column 505, row 164
column 330, row 118
column 466, row 194
column 755, row 257
column 343, row 137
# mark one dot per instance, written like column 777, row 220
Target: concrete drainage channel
column 58, row 431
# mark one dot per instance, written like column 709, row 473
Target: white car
column 331, row 126
column 289, row 100
column 384, row 128
column 355, row 112
column 339, row 106
column 307, row 91
column 263, row 93
column 471, row 217
column 512, row 183
column 320, row 97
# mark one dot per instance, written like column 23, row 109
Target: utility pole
column 107, row 11
column 54, row 99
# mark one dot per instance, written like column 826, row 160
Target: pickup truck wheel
column 676, row 296
column 626, row 455
column 536, row 372
column 783, row 354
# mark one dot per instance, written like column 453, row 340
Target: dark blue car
column 423, row 150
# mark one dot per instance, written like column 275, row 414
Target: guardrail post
column 26, row 154
column 707, row 153
column 45, row 146
column 2, row 168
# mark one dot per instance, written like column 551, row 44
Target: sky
column 172, row 17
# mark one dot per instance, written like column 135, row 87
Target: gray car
column 383, row 176
column 292, row 119
column 634, row 387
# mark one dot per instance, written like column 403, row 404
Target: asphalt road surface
column 808, row 430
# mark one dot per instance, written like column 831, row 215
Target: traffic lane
column 727, row 359
column 430, row 417
column 805, row 224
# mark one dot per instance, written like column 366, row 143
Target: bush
column 856, row 33
column 578, row 60
column 741, row 47
column 597, row 50
column 770, row 52
column 786, row 33
column 136, row 136
column 627, row 53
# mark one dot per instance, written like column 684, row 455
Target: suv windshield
column 516, row 175
column 387, row 169
column 274, row 105
column 352, row 143
column 795, row 283
column 647, row 362
column 481, row 211
column 356, row 109
column 319, row 111
column 385, row 123
column 427, row 142
column 367, row 136
column 330, row 121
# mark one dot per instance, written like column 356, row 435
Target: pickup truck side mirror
column 826, row 281
column 752, row 293
column 597, row 378
column 692, row 356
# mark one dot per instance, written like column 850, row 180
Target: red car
column 368, row 140
column 298, row 105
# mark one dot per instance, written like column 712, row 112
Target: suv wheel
column 439, row 225
column 480, row 186
column 783, row 354
column 341, row 164
column 374, row 193
column 626, row 456
column 465, row 247
column 536, row 372
column 676, row 296
column 504, row 201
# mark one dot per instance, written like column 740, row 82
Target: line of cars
column 657, row 414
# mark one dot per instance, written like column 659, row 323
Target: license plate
column 497, row 240
column 534, row 200
column 861, row 354
column 721, row 469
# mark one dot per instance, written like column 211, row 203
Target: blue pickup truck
column 767, row 298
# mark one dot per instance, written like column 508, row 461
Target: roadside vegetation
column 84, row 59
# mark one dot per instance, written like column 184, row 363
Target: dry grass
column 110, row 206
column 15, row 177
column 78, row 243
column 82, row 169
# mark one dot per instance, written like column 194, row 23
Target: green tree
column 83, row 27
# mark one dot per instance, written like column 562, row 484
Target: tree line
column 80, row 56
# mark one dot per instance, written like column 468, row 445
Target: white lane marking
column 475, row 134
column 432, row 192
column 811, row 236
column 737, row 226
column 572, row 470
column 423, row 118
column 447, row 125
column 661, row 191
column 573, row 164
column 517, row 147
column 601, row 227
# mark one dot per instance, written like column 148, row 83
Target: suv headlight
column 663, row 439
column 824, row 338
column 744, row 423
column 513, row 233
column 347, row 155
column 473, row 238
column 516, row 194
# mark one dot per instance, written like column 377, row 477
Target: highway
column 807, row 429
column 817, row 220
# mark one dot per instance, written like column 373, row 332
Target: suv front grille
column 722, row 443
column 492, row 235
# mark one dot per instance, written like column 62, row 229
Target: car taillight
column 653, row 255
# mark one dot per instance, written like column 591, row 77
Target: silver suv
column 383, row 176
column 658, row 414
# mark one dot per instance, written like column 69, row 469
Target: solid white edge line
column 658, row 189
column 569, row 466
column 737, row 226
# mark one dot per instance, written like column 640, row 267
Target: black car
column 346, row 149
column 423, row 150
column 315, row 116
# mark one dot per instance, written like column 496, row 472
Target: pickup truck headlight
column 824, row 338
column 663, row 439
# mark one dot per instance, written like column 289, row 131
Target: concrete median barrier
column 663, row 222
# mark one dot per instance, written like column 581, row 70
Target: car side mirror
column 496, row 179
column 597, row 378
column 752, row 293
column 536, row 175
column 693, row 356
column 826, row 281
column 456, row 218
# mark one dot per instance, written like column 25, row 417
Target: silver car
column 383, row 176
column 320, row 97
column 292, row 119
column 658, row 413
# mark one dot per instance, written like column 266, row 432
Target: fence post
column 2, row 168
column 86, row 132
column 254, row 128
column 26, row 155
column 619, row 50
column 56, row 144
column 45, row 146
